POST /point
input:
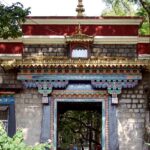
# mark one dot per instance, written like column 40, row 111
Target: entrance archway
column 91, row 113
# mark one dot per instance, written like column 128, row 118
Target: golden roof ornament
column 80, row 9
column 79, row 37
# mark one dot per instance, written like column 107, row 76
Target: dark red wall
column 11, row 48
column 143, row 48
column 99, row 30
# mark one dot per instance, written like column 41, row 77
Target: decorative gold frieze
column 76, row 63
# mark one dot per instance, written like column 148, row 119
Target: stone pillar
column 11, row 120
column 45, row 129
column 113, row 127
column 45, row 88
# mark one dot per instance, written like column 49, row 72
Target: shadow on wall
column 130, row 134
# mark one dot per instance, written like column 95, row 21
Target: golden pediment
column 79, row 37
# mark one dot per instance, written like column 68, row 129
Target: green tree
column 145, row 28
column 17, row 141
column 11, row 18
column 80, row 127
column 130, row 8
column 118, row 8
column 144, row 11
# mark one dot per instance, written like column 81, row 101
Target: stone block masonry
column 131, row 114
column 29, row 114
column 44, row 50
column 114, row 50
column 97, row 50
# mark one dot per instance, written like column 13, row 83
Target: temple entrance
column 80, row 125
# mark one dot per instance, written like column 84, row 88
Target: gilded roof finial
column 80, row 9
column 79, row 30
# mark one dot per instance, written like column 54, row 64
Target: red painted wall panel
column 144, row 48
column 11, row 48
column 99, row 30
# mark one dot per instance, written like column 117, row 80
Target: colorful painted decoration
column 6, row 100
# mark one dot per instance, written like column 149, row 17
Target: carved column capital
column 44, row 87
column 114, row 86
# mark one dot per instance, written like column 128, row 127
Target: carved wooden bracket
column 114, row 83
column 114, row 87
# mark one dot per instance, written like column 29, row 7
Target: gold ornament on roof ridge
column 78, row 36
column 80, row 9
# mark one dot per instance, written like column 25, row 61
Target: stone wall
column 28, row 106
column 131, row 114
column 29, row 114
column 114, row 50
column 44, row 50
column 9, row 79
column 97, row 50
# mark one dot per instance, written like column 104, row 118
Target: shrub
column 17, row 142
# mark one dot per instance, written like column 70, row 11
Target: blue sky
column 60, row 7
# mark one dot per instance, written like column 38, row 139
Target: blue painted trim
column 103, row 125
column 6, row 100
column 10, row 102
column 11, row 121
column 79, row 100
column 55, row 125
column 79, row 77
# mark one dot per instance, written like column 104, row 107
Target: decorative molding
column 33, row 39
column 56, row 63
column 78, row 70
column 116, row 84
column 96, row 40
column 144, row 39
column 45, row 86
column 10, row 56
column 144, row 56
column 82, row 21
column 62, row 80
column 10, row 40
column 116, row 39
column 43, row 39
column 79, row 94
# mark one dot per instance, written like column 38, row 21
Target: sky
column 59, row 7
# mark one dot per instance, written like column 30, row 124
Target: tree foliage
column 145, row 28
column 11, row 18
column 82, row 128
column 119, row 8
column 130, row 8
column 17, row 141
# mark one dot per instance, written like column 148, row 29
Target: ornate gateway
column 78, row 64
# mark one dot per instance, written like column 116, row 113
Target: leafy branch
column 11, row 18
